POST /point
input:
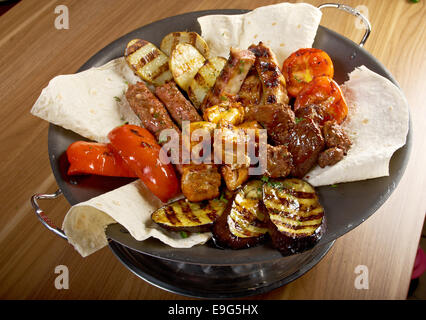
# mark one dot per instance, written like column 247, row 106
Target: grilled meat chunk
column 277, row 119
column 273, row 81
column 178, row 106
column 312, row 111
column 200, row 182
column 149, row 109
column 232, row 76
column 251, row 90
column 330, row 157
column 279, row 161
column 242, row 223
column 183, row 215
column 305, row 143
column 335, row 136
column 294, row 216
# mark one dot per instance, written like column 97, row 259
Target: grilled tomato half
column 325, row 93
column 302, row 66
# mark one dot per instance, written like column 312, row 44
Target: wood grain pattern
column 32, row 52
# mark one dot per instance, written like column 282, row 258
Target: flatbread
column 90, row 103
column 377, row 125
column 284, row 27
column 131, row 206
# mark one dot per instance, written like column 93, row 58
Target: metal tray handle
column 354, row 12
column 42, row 216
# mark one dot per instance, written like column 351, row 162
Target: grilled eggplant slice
column 204, row 80
column 148, row 62
column 185, row 61
column 242, row 223
column 295, row 217
column 183, row 215
column 170, row 41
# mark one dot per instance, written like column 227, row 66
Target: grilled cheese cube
column 148, row 62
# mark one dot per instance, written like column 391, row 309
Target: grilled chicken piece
column 278, row 119
column 330, row 157
column 295, row 216
column 178, row 106
column 242, row 223
column 183, row 215
column 225, row 113
column 232, row 76
column 234, row 178
column 251, row 90
column 335, row 136
column 149, row 109
column 305, row 143
column 279, row 162
column 200, row 182
column 230, row 145
column 273, row 81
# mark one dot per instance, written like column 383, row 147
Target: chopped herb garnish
column 156, row 115
column 162, row 139
column 298, row 119
column 183, row 234
column 117, row 99
column 223, row 98
column 222, row 198
column 297, row 79
column 265, row 179
column 126, row 82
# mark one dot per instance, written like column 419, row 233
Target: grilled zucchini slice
column 148, row 62
column 183, row 215
column 295, row 216
column 204, row 80
column 242, row 225
column 185, row 61
column 170, row 41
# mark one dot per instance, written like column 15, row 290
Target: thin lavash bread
column 377, row 124
column 284, row 27
column 90, row 103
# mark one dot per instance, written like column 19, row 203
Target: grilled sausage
column 273, row 81
column 149, row 109
column 251, row 90
column 231, row 78
column 178, row 106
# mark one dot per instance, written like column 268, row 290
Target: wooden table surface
column 32, row 51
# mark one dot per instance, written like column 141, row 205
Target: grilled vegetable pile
column 285, row 210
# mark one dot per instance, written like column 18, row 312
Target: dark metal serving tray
column 346, row 206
